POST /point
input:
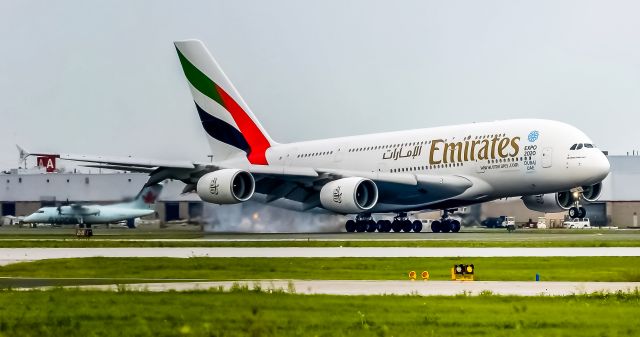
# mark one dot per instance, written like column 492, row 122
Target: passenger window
column 579, row 147
column 573, row 147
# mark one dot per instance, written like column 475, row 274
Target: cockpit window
column 579, row 147
column 40, row 211
column 573, row 147
column 588, row 146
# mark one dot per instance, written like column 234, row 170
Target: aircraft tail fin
column 22, row 153
column 229, row 123
column 147, row 197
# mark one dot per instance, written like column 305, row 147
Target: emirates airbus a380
column 553, row 166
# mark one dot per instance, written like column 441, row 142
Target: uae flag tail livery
column 231, row 127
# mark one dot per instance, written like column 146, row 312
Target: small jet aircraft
column 78, row 214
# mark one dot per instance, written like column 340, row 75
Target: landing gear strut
column 445, row 224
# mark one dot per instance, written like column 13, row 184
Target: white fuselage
column 502, row 158
column 99, row 214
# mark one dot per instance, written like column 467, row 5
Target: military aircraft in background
column 87, row 215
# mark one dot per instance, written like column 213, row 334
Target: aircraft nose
column 601, row 166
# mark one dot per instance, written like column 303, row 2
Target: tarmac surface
column 9, row 233
column 423, row 288
column 13, row 255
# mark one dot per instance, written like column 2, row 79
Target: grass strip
column 487, row 269
column 256, row 313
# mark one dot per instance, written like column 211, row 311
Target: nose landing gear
column 577, row 212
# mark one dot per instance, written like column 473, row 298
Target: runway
column 13, row 255
column 423, row 288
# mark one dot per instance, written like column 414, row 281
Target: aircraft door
column 339, row 153
column 382, row 167
column 547, row 157
column 288, row 158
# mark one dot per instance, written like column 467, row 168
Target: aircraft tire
column 574, row 212
column 435, row 226
column 384, row 226
column 388, row 226
column 361, row 226
column 455, row 226
column 417, row 226
column 583, row 212
column 407, row 226
column 396, row 225
column 372, row 226
column 446, row 226
column 350, row 226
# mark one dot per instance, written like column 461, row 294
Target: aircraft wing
column 393, row 188
column 78, row 210
column 295, row 183
column 122, row 161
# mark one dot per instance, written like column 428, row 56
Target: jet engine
column 226, row 186
column 549, row 203
column 349, row 195
column 591, row 193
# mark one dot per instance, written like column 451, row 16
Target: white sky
column 102, row 77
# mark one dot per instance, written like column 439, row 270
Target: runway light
column 463, row 272
column 412, row 275
column 425, row 275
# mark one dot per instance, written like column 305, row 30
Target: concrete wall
column 26, row 208
column 622, row 213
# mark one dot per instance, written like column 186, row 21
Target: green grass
column 505, row 269
column 250, row 313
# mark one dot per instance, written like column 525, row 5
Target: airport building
column 24, row 191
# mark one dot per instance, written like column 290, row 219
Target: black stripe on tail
column 222, row 130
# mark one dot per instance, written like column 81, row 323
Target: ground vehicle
column 577, row 223
column 509, row 221
column 541, row 223
column 498, row 222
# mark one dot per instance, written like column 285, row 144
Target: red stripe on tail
column 254, row 137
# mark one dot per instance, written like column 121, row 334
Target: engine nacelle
column 226, row 186
column 349, row 195
column 591, row 193
column 549, row 203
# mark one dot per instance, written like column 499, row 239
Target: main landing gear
column 365, row 223
column 445, row 224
